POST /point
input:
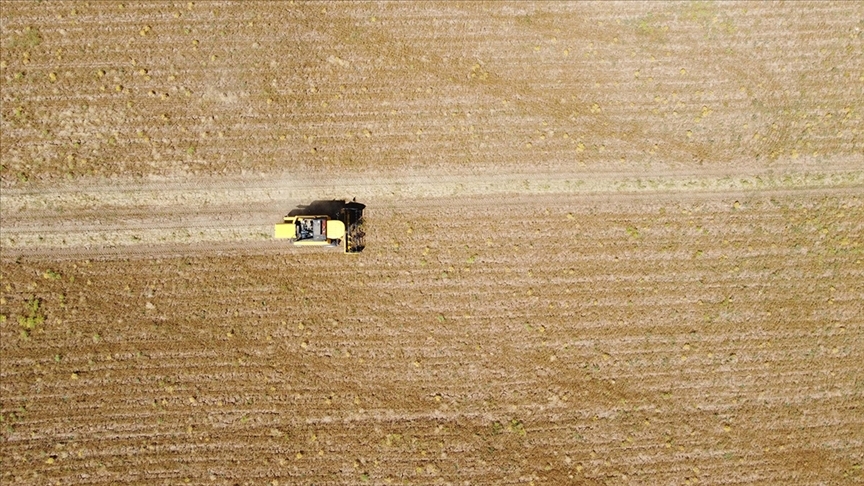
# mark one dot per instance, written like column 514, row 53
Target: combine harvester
column 325, row 223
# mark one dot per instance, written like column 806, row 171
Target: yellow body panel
column 284, row 230
column 288, row 230
column 335, row 229
column 312, row 243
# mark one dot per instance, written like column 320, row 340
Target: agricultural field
column 611, row 243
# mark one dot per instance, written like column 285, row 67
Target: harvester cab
column 325, row 223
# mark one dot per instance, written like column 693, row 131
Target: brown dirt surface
column 157, row 88
column 608, row 243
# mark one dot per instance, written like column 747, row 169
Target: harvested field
column 660, row 339
column 606, row 244
column 214, row 89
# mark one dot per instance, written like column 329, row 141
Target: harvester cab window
column 304, row 229
column 315, row 229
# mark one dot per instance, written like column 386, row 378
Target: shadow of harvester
column 350, row 213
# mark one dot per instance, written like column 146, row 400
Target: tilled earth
column 661, row 339
column 606, row 244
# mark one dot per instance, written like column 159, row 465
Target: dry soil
column 610, row 243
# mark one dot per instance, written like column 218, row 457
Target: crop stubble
column 496, row 330
column 657, row 339
column 215, row 89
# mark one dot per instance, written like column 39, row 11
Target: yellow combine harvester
column 325, row 223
